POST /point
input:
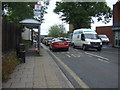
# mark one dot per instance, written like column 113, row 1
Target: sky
column 51, row 18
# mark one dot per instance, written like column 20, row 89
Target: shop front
column 116, row 34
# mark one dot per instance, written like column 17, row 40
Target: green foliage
column 80, row 13
column 27, row 44
column 9, row 62
column 57, row 31
column 17, row 11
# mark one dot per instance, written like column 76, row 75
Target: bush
column 9, row 62
column 27, row 44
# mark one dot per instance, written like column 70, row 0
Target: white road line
column 77, row 79
column 103, row 60
column 68, row 52
column 73, row 55
column 76, row 50
column 78, row 56
column 68, row 55
column 63, row 52
column 97, row 56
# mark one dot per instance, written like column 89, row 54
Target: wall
column 11, row 36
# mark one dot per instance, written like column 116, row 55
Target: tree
column 80, row 13
column 57, row 31
column 17, row 11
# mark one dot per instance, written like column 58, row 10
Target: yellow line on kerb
column 78, row 80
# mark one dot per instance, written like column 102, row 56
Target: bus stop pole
column 39, row 46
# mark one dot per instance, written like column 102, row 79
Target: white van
column 86, row 38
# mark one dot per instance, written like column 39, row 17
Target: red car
column 59, row 43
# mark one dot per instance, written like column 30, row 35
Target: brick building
column 107, row 30
column 116, row 24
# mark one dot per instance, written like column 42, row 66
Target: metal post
column 39, row 46
column 31, row 36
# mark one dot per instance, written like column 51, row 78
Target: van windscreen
column 91, row 36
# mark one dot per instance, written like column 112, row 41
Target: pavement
column 38, row 72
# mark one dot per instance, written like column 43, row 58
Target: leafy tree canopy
column 17, row 11
column 80, row 13
column 57, row 31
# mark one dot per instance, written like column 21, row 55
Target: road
column 91, row 68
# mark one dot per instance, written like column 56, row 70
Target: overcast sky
column 51, row 18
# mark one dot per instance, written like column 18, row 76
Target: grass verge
column 9, row 62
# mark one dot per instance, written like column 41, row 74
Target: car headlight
column 100, row 43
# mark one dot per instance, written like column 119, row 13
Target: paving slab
column 38, row 72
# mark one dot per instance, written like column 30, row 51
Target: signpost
column 38, row 14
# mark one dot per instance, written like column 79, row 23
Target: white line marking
column 68, row 52
column 73, row 55
column 97, row 56
column 78, row 56
column 103, row 60
column 76, row 50
column 78, row 80
column 68, row 55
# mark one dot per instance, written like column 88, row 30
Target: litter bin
column 21, row 52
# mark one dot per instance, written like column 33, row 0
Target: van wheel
column 73, row 45
column 84, row 47
column 98, row 49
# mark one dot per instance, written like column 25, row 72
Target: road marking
column 97, row 56
column 78, row 56
column 75, row 49
column 111, row 52
column 73, row 55
column 63, row 52
column 68, row 52
column 103, row 60
column 68, row 55
column 78, row 80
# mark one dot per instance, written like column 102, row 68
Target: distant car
column 104, row 39
column 58, row 44
column 47, row 40
column 68, row 40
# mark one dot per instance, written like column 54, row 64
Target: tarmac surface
column 37, row 72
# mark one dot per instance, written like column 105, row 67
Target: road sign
column 37, row 6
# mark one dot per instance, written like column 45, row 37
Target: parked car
column 59, row 43
column 47, row 40
column 68, row 40
column 104, row 39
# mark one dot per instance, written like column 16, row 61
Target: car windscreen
column 102, row 36
column 49, row 38
column 91, row 36
column 60, row 40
